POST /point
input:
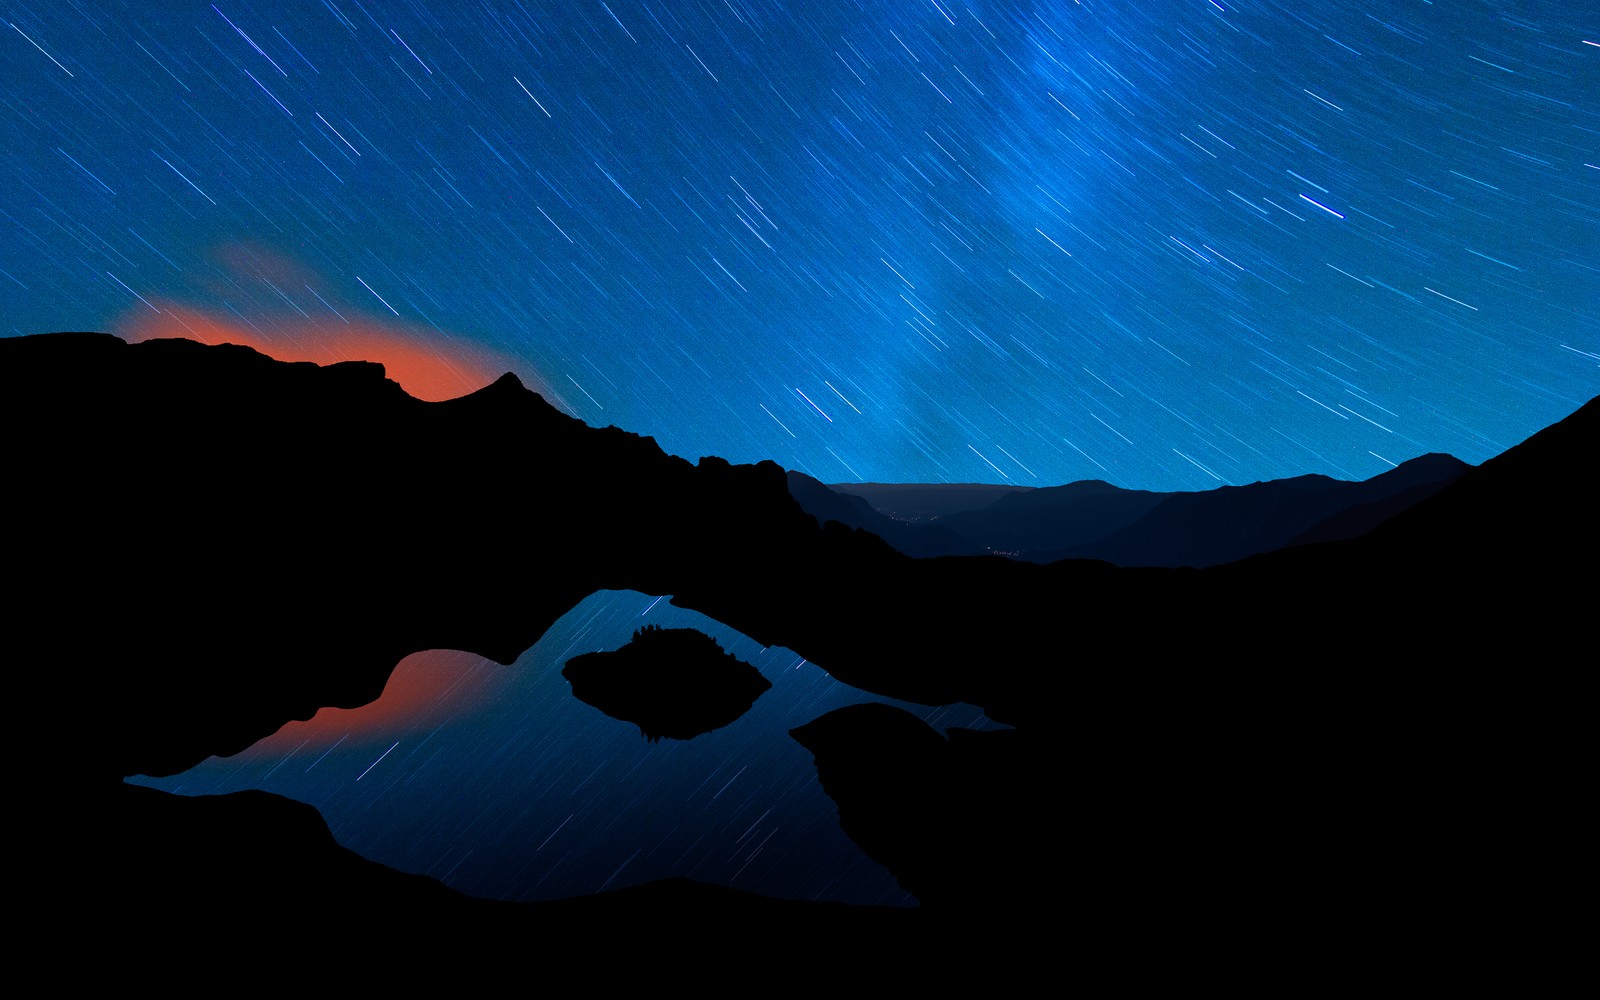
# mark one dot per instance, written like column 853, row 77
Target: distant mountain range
column 1313, row 758
column 1092, row 519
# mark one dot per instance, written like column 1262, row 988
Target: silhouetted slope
column 1536, row 492
column 1231, row 522
column 914, row 539
column 309, row 526
column 915, row 503
column 312, row 525
column 256, row 540
column 1092, row 519
column 1508, row 533
column 1383, row 732
column 1038, row 524
column 1423, row 477
column 1443, row 656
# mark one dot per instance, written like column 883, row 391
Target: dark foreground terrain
column 1315, row 762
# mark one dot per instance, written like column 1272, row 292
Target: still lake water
column 498, row 782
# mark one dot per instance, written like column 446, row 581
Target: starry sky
column 1168, row 245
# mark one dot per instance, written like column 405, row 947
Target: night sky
column 1169, row 245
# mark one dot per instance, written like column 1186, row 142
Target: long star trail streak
column 319, row 160
column 186, row 180
column 251, row 41
column 814, row 406
column 780, row 423
column 268, row 92
column 375, row 295
column 990, row 464
column 135, row 294
column 86, row 170
column 1103, row 239
column 47, row 55
column 535, row 100
column 336, row 132
column 1322, row 206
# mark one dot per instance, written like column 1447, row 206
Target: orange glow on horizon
column 427, row 364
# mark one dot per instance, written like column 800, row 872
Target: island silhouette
column 670, row 682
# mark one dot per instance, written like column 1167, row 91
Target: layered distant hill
column 1096, row 520
column 1312, row 757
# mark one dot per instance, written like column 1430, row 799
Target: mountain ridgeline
column 1092, row 519
column 1378, row 730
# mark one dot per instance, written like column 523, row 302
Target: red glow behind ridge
column 427, row 364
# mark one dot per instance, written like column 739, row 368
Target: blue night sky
column 1169, row 245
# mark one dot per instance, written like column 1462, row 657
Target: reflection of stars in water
column 498, row 782
column 899, row 241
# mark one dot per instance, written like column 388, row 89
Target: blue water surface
column 505, row 786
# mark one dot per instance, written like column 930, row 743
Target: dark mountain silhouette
column 1427, row 476
column 1027, row 525
column 1231, row 522
column 916, row 503
column 1092, row 519
column 675, row 682
column 1316, row 755
column 912, row 538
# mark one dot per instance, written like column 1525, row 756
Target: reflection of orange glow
column 427, row 365
column 425, row 689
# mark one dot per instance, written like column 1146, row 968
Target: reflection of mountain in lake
column 675, row 682
column 521, row 780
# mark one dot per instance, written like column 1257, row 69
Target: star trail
column 1169, row 246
